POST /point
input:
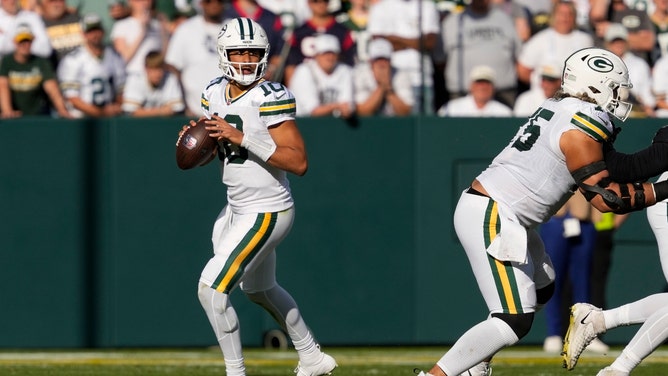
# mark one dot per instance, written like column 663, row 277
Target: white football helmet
column 245, row 34
column 601, row 75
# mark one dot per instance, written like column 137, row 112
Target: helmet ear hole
column 594, row 90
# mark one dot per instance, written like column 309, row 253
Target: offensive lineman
column 558, row 150
column 259, row 141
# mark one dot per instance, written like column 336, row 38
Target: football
column 194, row 147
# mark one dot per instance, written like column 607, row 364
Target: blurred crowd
column 344, row 58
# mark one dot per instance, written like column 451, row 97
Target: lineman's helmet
column 244, row 34
column 601, row 75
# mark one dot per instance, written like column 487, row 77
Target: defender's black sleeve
column 641, row 165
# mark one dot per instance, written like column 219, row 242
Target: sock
column 636, row 312
column 650, row 336
column 283, row 308
column 479, row 343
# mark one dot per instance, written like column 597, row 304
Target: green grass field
column 375, row 361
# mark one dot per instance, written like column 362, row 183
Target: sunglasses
column 318, row 1
column 212, row 1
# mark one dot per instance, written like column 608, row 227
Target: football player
column 259, row 142
column 558, row 150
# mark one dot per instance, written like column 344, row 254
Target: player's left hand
column 223, row 131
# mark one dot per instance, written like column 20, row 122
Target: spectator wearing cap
column 322, row 85
column 479, row 102
column 11, row 15
column 63, row 28
column 92, row 76
column 156, row 92
column 550, row 82
column 640, row 74
column 28, row 83
column 659, row 18
column 322, row 21
column 379, row 88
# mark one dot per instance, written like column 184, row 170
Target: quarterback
column 559, row 149
column 258, row 143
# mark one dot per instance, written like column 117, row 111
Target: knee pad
column 520, row 323
column 217, row 308
column 543, row 295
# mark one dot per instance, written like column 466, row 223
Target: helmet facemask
column 234, row 71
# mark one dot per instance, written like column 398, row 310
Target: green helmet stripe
column 250, row 29
column 241, row 28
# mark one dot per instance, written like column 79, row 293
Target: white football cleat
column 323, row 367
column 480, row 369
column 586, row 323
column 609, row 371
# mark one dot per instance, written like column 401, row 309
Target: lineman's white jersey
column 97, row 81
column 313, row 87
column 530, row 176
column 253, row 186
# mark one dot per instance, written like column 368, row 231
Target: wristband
column 660, row 190
column 262, row 149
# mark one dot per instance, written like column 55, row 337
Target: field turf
column 353, row 361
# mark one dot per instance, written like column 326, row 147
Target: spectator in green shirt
column 28, row 83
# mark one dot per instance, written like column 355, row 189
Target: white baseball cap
column 326, row 43
column 380, row 48
column 482, row 73
column 616, row 31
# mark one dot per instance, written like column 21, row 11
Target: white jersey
column 530, row 177
column 192, row 51
column 313, row 87
column 253, row 186
column 140, row 93
column 466, row 107
column 548, row 47
column 94, row 80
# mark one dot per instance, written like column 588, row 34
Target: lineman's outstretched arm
column 641, row 165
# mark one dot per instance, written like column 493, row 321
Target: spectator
column 293, row 13
column 12, row 15
column 480, row 100
column 482, row 34
column 399, row 22
column 28, row 82
column 62, row 26
column 555, row 43
column 192, row 52
column 637, row 22
column 356, row 19
column 660, row 86
column 616, row 41
column 323, row 86
column 108, row 10
column 156, row 92
column 520, row 15
column 321, row 22
column 539, row 13
column 92, row 76
column 271, row 24
column 550, row 82
column 134, row 36
column 659, row 19
column 380, row 89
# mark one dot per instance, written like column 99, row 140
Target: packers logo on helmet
column 600, row 64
